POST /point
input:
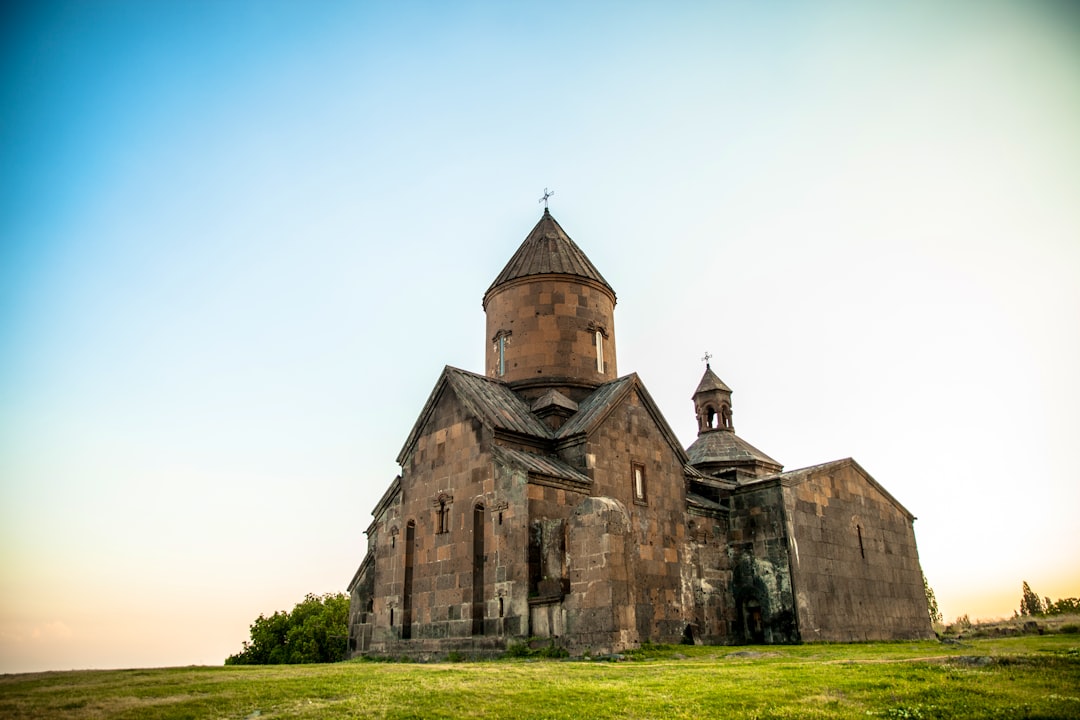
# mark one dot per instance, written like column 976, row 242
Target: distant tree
column 931, row 601
column 314, row 632
column 1064, row 606
column 1030, row 603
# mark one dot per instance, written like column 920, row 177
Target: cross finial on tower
column 707, row 358
column 547, row 194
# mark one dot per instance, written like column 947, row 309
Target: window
column 637, row 473
column 479, row 559
column 862, row 552
column 442, row 518
column 501, row 340
column 599, row 351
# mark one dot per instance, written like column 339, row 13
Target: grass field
column 1013, row 677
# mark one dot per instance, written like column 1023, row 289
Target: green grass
column 1012, row 677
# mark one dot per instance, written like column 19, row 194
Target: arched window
column 442, row 519
column 478, row 571
column 406, row 591
column 599, row 351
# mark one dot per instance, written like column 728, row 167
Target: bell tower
column 718, row 451
column 550, row 318
column 712, row 402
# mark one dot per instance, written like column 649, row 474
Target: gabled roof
column 709, row 382
column 490, row 401
column 548, row 250
column 554, row 399
column 593, row 410
column 702, row 503
column 540, row 464
column 725, row 446
column 795, row 477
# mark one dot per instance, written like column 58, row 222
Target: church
column 548, row 499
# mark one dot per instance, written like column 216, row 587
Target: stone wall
column 856, row 566
column 630, row 436
column 551, row 325
column 707, row 580
column 761, row 577
column 446, row 585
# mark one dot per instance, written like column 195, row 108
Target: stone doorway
column 753, row 623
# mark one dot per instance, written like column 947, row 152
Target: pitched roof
column 599, row 404
column 489, row 400
column 710, row 381
column 495, row 404
column 795, row 477
column 725, row 446
column 553, row 398
column 596, row 407
column 548, row 250
column 539, row 464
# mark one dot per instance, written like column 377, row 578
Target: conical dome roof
column 548, row 250
column 710, row 381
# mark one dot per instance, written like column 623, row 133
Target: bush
column 524, row 650
column 314, row 632
column 518, row 650
column 1069, row 629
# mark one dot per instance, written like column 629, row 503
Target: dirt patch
column 752, row 654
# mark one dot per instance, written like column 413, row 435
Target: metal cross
column 707, row 358
column 544, row 199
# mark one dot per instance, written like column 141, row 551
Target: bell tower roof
column 548, row 250
column 709, row 382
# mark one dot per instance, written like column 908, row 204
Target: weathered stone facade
column 550, row 499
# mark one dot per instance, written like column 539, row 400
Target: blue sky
column 239, row 240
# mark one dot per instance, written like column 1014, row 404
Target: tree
column 1063, row 606
column 314, row 632
column 1030, row 603
column 931, row 601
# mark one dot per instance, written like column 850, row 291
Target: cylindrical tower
column 550, row 318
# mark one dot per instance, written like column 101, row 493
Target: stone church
column 548, row 498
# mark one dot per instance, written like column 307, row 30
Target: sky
column 240, row 240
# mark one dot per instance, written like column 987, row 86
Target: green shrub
column 525, row 650
column 1069, row 629
column 518, row 650
column 552, row 651
column 313, row 632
